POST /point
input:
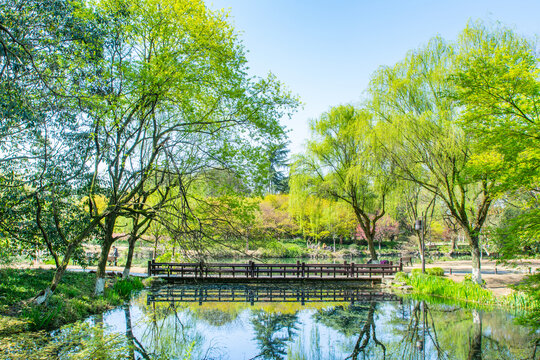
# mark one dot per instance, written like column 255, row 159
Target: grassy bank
column 469, row 292
column 72, row 300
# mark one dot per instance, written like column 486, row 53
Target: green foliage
column 497, row 75
column 416, row 271
column 10, row 325
column 152, row 280
column 41, row 318
column 71, row 301
column 436, row 271
column 401, row 276
column 439, row 286
column 85, row 341
column 341, row 162
column 277, row 249
column 468, row 291
column 125, row 287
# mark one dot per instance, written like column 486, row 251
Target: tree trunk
column 371, row 246
column 44, row 296
column 475, row 253
column 102, row 267
column 129, row 260
column 105, row 248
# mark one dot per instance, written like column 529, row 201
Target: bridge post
column 303, row 270
column 400, row 264
column 297, row 268
column 150, row 262
column 352, row 269
column 347, row 271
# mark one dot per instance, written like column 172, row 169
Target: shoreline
column 498, row 277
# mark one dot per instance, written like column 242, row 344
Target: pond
column 294, row 321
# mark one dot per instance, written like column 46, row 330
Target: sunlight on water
column 298, row 322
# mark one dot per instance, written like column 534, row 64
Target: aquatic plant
column 125, row 287
column 468, row 291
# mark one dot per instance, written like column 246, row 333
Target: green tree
column 497, row 77
column 134, row 89
column 342, row 162
column 278, row 181
column 159, row 98
column 420, row 133
column 46, row 46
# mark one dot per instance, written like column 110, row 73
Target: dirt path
column 497, row 277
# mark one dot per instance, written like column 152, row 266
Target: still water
column 298, row 322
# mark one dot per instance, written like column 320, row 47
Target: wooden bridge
column 251, row 294
column 252, row 271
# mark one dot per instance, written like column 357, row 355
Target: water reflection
column 278, row 323
column 255, row 293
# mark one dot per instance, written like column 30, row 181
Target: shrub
column 125, row 287
column 41, row 317
column 294, row 251
column 435, row 271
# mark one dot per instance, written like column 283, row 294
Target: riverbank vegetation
column 136, row 123
column 72, row 301
column 526, row 298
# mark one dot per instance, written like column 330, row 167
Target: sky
column 326, row 51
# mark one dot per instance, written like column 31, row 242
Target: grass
column 468, row 292
column 72, row 300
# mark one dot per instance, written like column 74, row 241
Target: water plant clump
column 466, row 291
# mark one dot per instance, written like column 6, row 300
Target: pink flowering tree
column 386, row 228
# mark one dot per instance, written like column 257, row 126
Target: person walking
column 115, row 255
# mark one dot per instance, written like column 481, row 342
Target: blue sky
column 325, row 51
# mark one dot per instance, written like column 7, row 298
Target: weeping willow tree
column 341, row 162
column 420, row 133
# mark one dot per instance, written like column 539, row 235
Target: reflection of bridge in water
column 252, row 294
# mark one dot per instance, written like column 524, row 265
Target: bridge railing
column 252, row 270
column 202, row 294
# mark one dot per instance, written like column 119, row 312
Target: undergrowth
column 72, row 300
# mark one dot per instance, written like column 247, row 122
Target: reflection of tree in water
column 135, row 345
column 357, row 320
column 421, row 329
column 273, row 332
column 348, row 321
column 430, row 331
column 170, row 337
column 475, row 347
column 216, row 317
